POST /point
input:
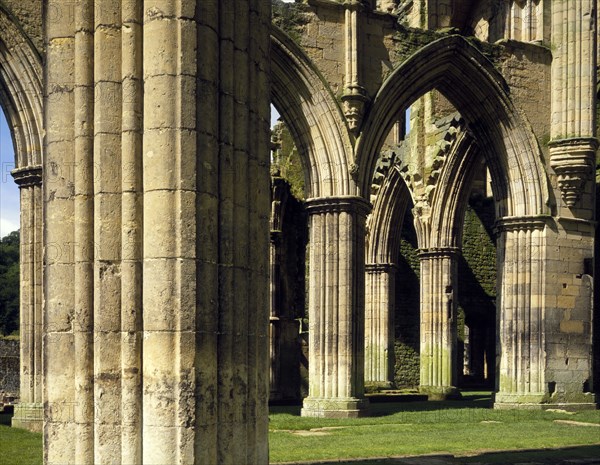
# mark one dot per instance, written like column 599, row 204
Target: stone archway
column 21, row 94
column 336, row 233
column 438, row 216
column 384, row 227
column 314, row 118
column 479, row 93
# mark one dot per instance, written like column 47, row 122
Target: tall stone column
column 379, row 323
column 29, row 412
column 336, row 307
column 520, row 379
column 156, row 196
column 439, row 369
column 573, row 144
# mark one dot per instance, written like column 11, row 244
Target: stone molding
column 521, row 223
column 438, row 252
column 381, row 268
column 573, row 162
column 28, row 176
column 349, row 204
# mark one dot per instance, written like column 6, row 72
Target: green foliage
column 9, row 283
column 290, row 17
column 407, row 316
column 287, row 162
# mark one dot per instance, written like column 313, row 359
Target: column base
column 542, row 402
column 335, row 408
column 29, row 417
column 441, row 392
column 376, row 386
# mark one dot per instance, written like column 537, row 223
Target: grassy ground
column 468, row 430
column 17, row 446
column 460, row 428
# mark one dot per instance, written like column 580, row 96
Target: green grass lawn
column 17, row 446
column 459, row 428
column 466, row 429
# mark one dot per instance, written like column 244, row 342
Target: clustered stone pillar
column 568, row 317
column 336, row 307
column 520, row 380
column 573, row 145
column 438, row 322
column 156, row 308
column 29, row 411
column 379, row 323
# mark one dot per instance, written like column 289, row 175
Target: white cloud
column 7, row 226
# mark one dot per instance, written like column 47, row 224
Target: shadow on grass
column 470, row 400
column 5, row 419
column 564, row 456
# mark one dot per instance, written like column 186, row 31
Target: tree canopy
column 9, row 283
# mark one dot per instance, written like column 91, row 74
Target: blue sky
column 9, row 192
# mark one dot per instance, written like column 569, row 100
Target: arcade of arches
column 149, row 331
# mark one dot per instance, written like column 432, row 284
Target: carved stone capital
column 28, row 176
column 353, row 102
column 521, row 223
column 349, row 204
column 376, row 268
column 438, row 252
column 573, row 162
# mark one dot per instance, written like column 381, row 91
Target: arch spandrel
column 314, row 118
column 479, row 92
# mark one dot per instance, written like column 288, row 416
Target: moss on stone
column 290, row 17
column 407, row 316
column 286, row 161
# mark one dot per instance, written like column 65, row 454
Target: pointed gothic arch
column 313, row 116
column 478, row 91
column 21, row 99
column 21, row 90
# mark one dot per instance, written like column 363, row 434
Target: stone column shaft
column 573, row 129
column 83, row 172
column 438, row 322
column 131, row 231
column 520, row 379
column 354, row 96
column 336, row 308
column 164, row 190
column 379, row 323
column 60, row 430
column 28, row 413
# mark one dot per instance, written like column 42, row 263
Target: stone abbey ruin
column 172, row 280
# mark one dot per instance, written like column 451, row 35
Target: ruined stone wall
column 406, row 346
column 9, row 368
column 29, row 16
column 477, row 288
column 526, row 68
